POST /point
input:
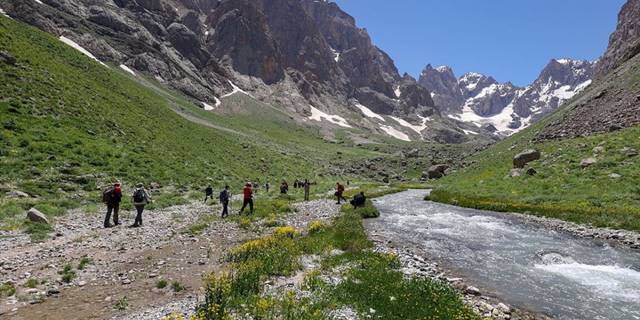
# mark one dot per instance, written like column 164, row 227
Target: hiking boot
column 108, row 226
column 134, row 226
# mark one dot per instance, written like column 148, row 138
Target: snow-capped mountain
column 503, row 107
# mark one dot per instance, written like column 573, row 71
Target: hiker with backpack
column 140, row 199
column 225, row 197
column 266, row 186
column 112, row 197
column 208, row 193
column 247, row 198
column 359, row 200
column 284, row 187
column 339, row 192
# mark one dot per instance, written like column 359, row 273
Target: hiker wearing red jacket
column 339, row 192
column 248, row 198
column 112, row 197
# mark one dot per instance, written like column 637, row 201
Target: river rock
column 588, row 162
column 472, row 290
column 521, row 159
column 35, row 215
column 437, row 171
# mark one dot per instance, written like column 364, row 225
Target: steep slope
column 502, row 107
column 71, row 124
column 299, row 55
column 588, row 171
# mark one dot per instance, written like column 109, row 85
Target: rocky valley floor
column 121, row 268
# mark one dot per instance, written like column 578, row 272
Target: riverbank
column 628, row 238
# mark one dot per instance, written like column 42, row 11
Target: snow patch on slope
column 4, row 13
column 207, row 107
column 336, row 55
column 368, row 112
column 235, row 90
column 318, row 115
column 501, row 120
column 417, row 129
column 395, row 133
column 127, row 69
column 76, row 46
column 398, row 92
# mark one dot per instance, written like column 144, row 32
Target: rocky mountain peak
column 624, row 43
column 481, row 100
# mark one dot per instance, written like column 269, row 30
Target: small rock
column 82, row 283
column 504, row 308
column 17, row 194
column 615, row 176
column 598, row 150
column 126, row 281
column 588, row 162
column 36, row 216
column 521, row 159
column 472, row 290
column 532, row 172
column 515, row 173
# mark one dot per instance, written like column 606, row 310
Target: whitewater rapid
column 518, row 261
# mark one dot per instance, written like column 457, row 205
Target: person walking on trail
column 266, row 187
column 307, row 188
column 208, row 193
column 247, row 198
column 284, row 187
column 225, row 196
column 112, row 197
column 339, row 192
column 140, row 199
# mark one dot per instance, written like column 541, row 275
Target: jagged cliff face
column 502, row 107
column 624, row 43
column 292, row 53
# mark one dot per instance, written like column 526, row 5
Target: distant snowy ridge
column 503, row 108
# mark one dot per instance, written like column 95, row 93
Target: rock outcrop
column 624, row 43
column 521, row 159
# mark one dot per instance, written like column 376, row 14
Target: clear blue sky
column 511, row 40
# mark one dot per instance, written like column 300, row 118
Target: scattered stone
column 17, row 194
column 7, row 58
column 437, row 171
column 615, row 176
column 126, row 281
column 521, row 159
column 588, row 162
column 472, row 290
column 515, row 173
column 598, row 150
column 531, row 172
column 35, row 215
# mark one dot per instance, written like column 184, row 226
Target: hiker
column 295, row 184
column 112, row 197
column 358, row 200
column 348, row 183
column 248, row 198
column 307, row 187
column 140, row 199
column 266, row 186
column 208, row 193
column 284, row 187
column 256, row 186
column 225, row 196
column 339, row 192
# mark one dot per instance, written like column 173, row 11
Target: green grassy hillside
column 605, row 194
column 70, row 125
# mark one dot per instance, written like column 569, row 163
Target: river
column 515, row 260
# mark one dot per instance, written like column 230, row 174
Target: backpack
column 107, row 195
column 139, row 196
column 340, row 188
column 224, row 196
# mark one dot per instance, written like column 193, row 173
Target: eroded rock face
column 624, row 43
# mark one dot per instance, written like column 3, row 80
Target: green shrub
column 177, row 286
column 161, row 284
column 7, row 289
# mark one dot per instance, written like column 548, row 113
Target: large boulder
column 34, row 215
column 437, row 171
column 521, row 159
